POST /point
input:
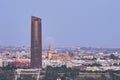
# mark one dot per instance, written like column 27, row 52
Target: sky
column 89, row 23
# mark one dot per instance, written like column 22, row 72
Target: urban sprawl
column 82, row 58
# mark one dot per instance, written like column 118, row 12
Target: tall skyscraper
column 36, row 42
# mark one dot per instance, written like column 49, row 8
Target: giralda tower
column 36, row 42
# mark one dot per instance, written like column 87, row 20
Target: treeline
column 113, row 75
column 63, row 73
column 60, row 73
column 6, row 73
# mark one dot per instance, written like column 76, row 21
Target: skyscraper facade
column 36, row 42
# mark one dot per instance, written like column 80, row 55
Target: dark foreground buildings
column 36, row 42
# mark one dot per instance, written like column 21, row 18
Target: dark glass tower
column 36, row 42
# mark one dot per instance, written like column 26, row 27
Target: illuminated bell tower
column 49, row 53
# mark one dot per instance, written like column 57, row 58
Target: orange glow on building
column 49, row 53
column 62, row 57
column 55, row 56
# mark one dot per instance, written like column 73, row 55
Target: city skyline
column 65, row 23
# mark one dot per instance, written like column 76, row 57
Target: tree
column 3, row 77
column 112, row 56
column 51, row 73
column 26, row 77
column 103, row 77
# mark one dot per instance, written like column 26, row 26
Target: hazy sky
column 94, row 23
